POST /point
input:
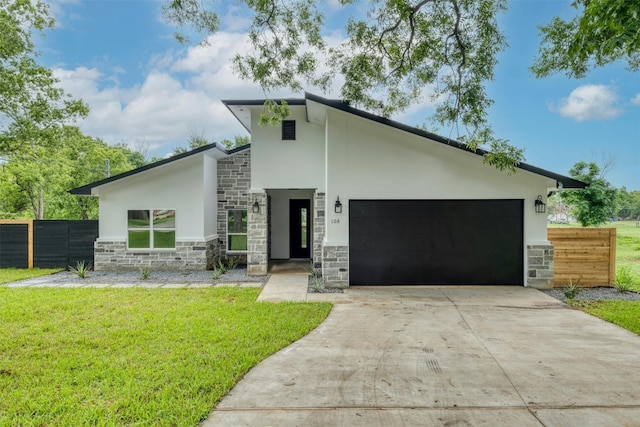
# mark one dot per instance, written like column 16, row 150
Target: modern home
column 368, row 200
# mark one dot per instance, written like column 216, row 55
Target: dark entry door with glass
column 299, row 228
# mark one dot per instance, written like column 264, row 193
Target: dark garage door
column 434, row 242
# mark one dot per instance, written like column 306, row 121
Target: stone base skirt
column 113, row 255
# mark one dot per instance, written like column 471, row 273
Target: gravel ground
column 134, row 278
column 594, row 294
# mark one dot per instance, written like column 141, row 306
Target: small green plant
column 316, row 282
column 221, row 267
column 144, row 272
column 232, row 262
column 572, row 290
column 81, row 269
column 216, row 273
column 624, row 279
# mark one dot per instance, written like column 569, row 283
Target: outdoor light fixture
column 338, row 205
column 540, row 206
column 256, row 207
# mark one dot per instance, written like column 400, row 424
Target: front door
column 299, row 228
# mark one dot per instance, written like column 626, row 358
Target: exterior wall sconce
column 540, row 206
column 338, row 206
column 256, row 207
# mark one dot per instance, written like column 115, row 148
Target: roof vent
column 288, row 130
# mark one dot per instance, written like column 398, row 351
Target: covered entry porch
column 284, row 224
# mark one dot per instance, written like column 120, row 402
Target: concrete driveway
column 463, row 356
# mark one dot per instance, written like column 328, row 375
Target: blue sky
column 151, row 93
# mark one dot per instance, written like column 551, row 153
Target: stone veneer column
column 318, row 228
column 257, row 235
column 335, row 266
column 540, row 266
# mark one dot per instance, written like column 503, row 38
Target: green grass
column 623, row 313
column 12, row 274
column 134, row 356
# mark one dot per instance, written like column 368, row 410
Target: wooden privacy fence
column 584, row 254
column 46, row 243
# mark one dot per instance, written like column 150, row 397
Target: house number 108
column 335, row 221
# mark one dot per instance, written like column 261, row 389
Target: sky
column 146, row 90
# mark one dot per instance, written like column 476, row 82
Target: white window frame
column 151, row 231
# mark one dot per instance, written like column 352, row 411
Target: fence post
column 612, row 256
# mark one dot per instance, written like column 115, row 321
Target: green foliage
column 232, row 262
column 238, row 141
column 32, row 107
column 34, row 181
column 124, row 357
column 596, row 203
column 603, row 31
column 81, row 269
column 572, row 290
column 394, row 57
column 145, row 272
column 624, row 279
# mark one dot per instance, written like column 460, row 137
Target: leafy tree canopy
column 399, row 53
column 596, row 203
column 32, row 108
column 603, row 31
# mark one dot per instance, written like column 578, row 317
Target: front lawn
column 622, row 313
column 134, row 356
column 13, row 274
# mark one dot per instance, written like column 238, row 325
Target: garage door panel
column 436, row 242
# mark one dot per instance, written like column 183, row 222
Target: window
column 289, row 130
column 237, row 230
column 151, row 229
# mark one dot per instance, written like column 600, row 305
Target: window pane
column 237, row 242
column 303, row 233
column 138, row 219
column 163, row 239
column 164, row 219
column 139, row 239
column 237, row 221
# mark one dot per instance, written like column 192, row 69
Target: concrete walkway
column 422, row 356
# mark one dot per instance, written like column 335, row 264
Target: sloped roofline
column 562, row 181
column 85, row 190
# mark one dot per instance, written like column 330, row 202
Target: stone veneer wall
column 335, row 266
column 257, row 239
column 540, row 266
column 318, row 228
column 234, row 181
column 113, row 255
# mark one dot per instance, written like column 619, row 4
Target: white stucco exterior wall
column 210, row 196
column 178, row 185
column 287, row 164
column 368, row 160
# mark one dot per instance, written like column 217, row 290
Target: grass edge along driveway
column 134, row 356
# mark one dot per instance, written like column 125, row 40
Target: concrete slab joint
column 540, row 266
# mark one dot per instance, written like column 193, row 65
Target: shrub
column 624, row 279
column 144, row 272
column 81, row 269
column 572, row 290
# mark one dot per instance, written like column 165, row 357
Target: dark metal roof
column 85, row 190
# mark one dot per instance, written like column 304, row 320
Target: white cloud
column 589, row 102
column 636, row 100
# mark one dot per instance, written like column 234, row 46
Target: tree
column 34, row 184
column 604, row 31
column 596, row 203
column 32, row 108
column 238, row 141
column 389, row 60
